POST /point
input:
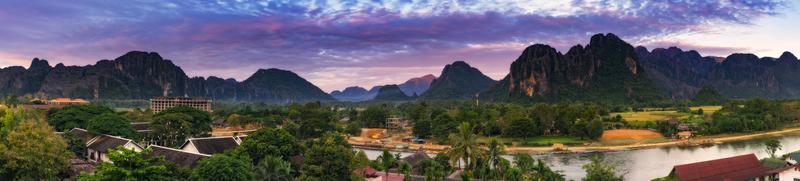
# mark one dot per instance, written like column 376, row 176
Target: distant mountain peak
column 391, row 93
column 417, row 85
column 787, row 56
column 458, row 80
column 39, row 64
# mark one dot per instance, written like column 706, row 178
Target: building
column 159, row 104
column 82, row 134
column 396, row 123
column 743, row 167
column 416, row 160
column 66, row 101
column 141, row 127
column 210, row 145
column 98, row 147
column 179, row 157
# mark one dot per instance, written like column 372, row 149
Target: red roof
column 732, row 168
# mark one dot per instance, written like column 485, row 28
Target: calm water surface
column 646, row 164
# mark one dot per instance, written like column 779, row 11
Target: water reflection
column 646, row 164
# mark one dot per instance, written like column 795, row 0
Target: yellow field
column 707, row 109
column 630, row 136
column 663, row 115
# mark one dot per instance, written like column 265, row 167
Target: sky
column 336, row 44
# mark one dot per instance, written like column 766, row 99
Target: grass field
column 655, row 115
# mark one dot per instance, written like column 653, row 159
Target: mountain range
column 411, row 88
column 143, row 75
column 607, row 69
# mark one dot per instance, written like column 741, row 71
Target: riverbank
column 714, row 139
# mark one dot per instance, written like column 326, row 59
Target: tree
column 111, row 124
column 599, row 170
column 524, row 162
column 514, row 174
column 361, row 160
column 387, row 161
column 75, row 116
column 374, row 117
column 543, row 172
column 329, row 158
column 435, row 172
column 273, row 169
column 493, row 154
column 139, row 115
column 131, row 165
column 772, row 146
column 522, row 128
column 172, row 129
column 405, row 168
column 75, row 144
column 595, row 129
column 442, row 126
column 270, row 142
column 223, row 167
column 464, row 146
column 199, row 122
column 422, row 128
column 32, row 151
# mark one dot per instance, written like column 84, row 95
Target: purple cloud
column 320, row 39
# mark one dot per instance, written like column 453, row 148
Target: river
column 649, row 163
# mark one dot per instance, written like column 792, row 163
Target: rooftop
column 179, row 157
column 103, row 143
column 82, row 134
column 212, row 145
column 732, row 168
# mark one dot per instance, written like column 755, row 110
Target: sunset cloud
column 339, row 43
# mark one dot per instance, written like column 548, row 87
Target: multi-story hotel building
column 159, row 104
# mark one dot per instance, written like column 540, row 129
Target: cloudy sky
column 335, row 44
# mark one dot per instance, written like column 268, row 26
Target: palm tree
column 387, row 161
column 435, row 172
column 464, row 146
column 493, row 153
column 405, row 168
column 273, row 168
column 543, row 172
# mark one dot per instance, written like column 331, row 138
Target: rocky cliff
column 458, row 80
column 142, row 75
column 607, row 69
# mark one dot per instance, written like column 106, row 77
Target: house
column 210, row 145
column 792, row 158
column 743, row 167
column 82, row 134
column 415, row 160
column 179, row 157
column 98, row 147
column 141, row 127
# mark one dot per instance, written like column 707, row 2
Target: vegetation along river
column 649, row 163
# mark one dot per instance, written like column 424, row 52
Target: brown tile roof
column 104, row 142
column 82, row 134
column 732, row 168
column 179, row 157
column 213, row 145
column 415, row 159
column 141, row 126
